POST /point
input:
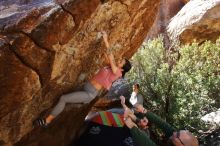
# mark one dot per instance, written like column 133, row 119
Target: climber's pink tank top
column 106, row 77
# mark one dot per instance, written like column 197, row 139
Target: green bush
column 180, row 86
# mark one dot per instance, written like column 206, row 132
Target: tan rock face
column 186, row 1
column 48, row 48
column 198, row 20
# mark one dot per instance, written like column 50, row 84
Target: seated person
column 136, row 98
column 105, row 128
column 136, row 115
column 176, row 138
column 101, row 126
column 109, row 118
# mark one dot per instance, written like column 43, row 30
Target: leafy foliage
column 179, row 86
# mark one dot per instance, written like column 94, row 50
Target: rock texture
column 118, row 88
column 168, row 9
column 198, row 20
column 48, row 48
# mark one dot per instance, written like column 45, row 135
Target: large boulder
column 167, row 10
column 198, row 20
column 48, row 48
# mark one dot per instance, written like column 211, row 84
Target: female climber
column 103, row 79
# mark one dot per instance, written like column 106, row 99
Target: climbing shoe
column 40, row 122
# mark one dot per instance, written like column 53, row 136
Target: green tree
column 185, row 92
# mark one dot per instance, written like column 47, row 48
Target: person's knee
column 62, row 98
